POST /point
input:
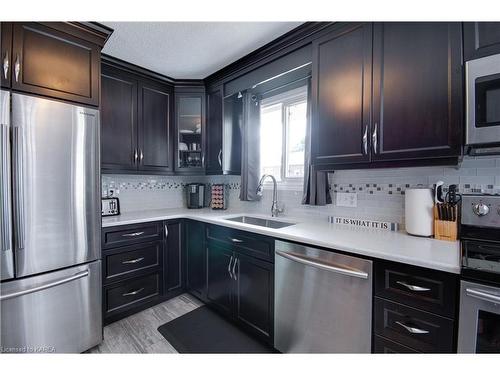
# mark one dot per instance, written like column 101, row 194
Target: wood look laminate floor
column 138, row 333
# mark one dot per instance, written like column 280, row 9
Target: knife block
column 445, row 230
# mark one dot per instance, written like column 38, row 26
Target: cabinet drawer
column 244, row 242
column 385, row 346
column 419, row 330
column 130, row 293
column 428, row 290
column 130, row 260
column 131, row 234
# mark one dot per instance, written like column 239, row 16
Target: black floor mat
column 204, row 331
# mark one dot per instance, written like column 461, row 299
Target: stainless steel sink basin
column 268, row 223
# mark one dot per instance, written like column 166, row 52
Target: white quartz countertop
column 394, row 246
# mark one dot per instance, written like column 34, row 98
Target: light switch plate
column 347, row 199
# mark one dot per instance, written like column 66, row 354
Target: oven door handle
column 482, row 295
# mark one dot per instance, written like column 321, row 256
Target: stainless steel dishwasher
column 323, row 301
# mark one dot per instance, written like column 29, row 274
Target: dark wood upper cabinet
column 341, row 95
column 6, row 53
column 190, row 130
column 417, row 91
column 48, row 62
column 136, row 126
column 154, row 131
column 231, row 135
column 214, row 155
column 118, row 121
column 481, row 39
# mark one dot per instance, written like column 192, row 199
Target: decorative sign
column 361, row 223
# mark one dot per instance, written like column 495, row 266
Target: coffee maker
column 195, row 195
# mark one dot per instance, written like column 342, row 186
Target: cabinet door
column 174, row 261
column 481, row 39
column 6, row 53
column 56, row 64
column 231, row 135
column 214, row 131
column 417, row 90
column 196, row 259
column 190, row 133
column 341, row 96
column 118, row 121
column 220, row 261
column 154, row 137
column 255, row 295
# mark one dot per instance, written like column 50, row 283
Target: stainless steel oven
column 483, row 105
column 479, row 321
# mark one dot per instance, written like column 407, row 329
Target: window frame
column 287, row 100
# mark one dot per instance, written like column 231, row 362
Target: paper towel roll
column 419, row 217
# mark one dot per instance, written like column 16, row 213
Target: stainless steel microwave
column 483, row 105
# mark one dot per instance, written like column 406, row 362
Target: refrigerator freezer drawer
column 58, row 312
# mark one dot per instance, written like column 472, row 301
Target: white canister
column 419, row 215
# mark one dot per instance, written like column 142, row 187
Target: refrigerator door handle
column 48, row 285
column 18, row 187
column 4, row 186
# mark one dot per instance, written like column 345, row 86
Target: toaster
column 110, row 206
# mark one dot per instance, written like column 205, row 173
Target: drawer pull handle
column 132, row 293
column 412, row 329
column 132, row 234
column 133, row 261
column 413, row 288
column 236, row 240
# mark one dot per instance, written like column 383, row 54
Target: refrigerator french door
column 50, row 289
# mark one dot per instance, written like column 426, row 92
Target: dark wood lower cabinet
column 130, row 296
column 242, row 288
column 196, row 258
column 382, row 345
column 417, row 329
column 219, row 278
column 174, row 259
column 142, row 265
column 254, row 295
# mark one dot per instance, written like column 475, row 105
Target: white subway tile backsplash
column 380, row 191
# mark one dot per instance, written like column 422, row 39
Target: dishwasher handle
column 323, row 265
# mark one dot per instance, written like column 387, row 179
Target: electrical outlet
column 347, row 199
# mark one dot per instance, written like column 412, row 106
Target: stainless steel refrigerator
column 50, row 291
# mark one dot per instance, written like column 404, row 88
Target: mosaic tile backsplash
column 380, row 192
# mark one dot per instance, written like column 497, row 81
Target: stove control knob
column 481, row 209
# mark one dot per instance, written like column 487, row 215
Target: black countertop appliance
column 196, row 195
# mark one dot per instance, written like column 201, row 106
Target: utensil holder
column 446, row 230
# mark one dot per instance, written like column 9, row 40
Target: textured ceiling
column 189, row 49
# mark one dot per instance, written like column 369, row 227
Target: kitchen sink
column 268, row 223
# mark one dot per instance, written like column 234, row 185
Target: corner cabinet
column 136, row 126
column 387, row 94
column 55, row 59
column 214, row 131
column 190, row 131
